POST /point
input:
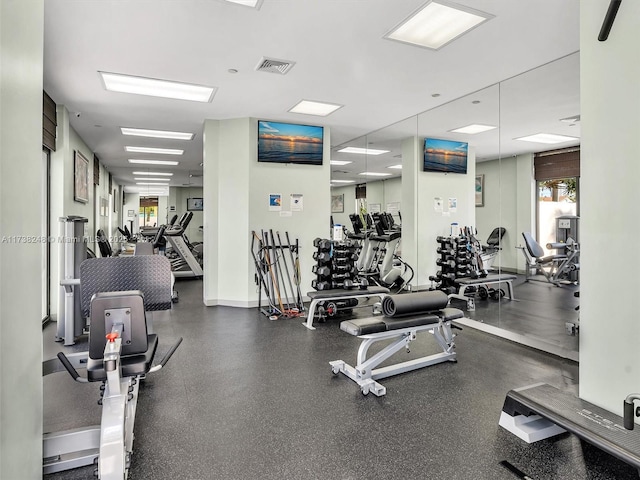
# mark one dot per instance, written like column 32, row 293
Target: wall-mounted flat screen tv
column 289, row 143
column 194, row 204
column 445, row 156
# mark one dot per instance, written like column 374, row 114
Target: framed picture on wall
column 479, row 190
column 81, row 178
column 337, row 203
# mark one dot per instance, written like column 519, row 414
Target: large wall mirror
column 498, row 191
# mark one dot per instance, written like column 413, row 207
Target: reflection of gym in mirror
column 449, row 176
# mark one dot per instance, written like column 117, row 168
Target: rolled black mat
column 414, row 303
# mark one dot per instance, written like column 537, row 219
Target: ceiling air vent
column 273, row 65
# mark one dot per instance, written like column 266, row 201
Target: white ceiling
column 341, row 57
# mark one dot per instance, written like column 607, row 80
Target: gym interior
column 336, row 307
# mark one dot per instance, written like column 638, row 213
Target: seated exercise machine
column 404, row 316
column 490, row 251
column 540, row 411
column 555, row 268
column 121, row 352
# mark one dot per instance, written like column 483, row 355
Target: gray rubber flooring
column 249, row 398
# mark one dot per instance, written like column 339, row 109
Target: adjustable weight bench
column 340, row 294
column 121, row 353
column 401, row 327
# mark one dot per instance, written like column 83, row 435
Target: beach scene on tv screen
column 289, row 143
column 445, row 156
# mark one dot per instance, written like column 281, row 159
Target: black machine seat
column 341, row 292
column 536, row 251
column 366, row 326
column 131, row 365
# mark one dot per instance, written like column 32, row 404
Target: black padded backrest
column 103, row 244
column 150, row 274
column 118, row 308
column 173, row 220
column 496, row 236
column 533, row 247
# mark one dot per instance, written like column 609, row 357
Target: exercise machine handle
column 72, row 371
column 167, row 356
column 629, row 410
column 628, row 415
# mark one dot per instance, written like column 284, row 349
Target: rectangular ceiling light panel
column 309, row 107
column 363, row 151
column 343, row 181
column 152, row 162
column 375, row 174
column 340, row 162
column 247, row 3
column 156, row 174
column 141, row 132
column 161, row 151
column 549, row 138
column 395, row 167
column 154, row 87
column 436, row 24
column 473, row 129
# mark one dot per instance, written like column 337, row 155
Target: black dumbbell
column 322, row 243
column 321, row 271
column 322, row 257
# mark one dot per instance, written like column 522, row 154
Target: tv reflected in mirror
column 289, row 143
column 445, row 156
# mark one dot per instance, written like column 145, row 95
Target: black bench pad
column 132, row 365
column 341, row 292
column 495, row 277
column 366, row 326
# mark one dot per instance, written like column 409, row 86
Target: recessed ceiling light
column 363, row 151
column 437, row 23
column 154, row 87
column 162, row 151
column 158, row 184
column 473, row 129
column 340, row 162
column 343, row 181
column 547, row 138
column 247, row 3
column 309, row 107
column 375, row 174
column 162, row 174
column 153, row 162
column 149, row 179
column 397, row 167
column 141, row 132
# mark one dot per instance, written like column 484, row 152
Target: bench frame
column 365, row 372
column 352, row 294
column 483, row 282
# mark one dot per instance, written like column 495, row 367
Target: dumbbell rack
column 455, row 262
column 335, row 268
column 335, row 264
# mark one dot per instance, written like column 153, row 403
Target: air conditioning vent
column 272, row 65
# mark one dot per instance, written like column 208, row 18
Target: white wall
column 179, row 196
column 241, row 187
column 610, row 110
column 509, row 202
column 349, row 192
column 431, row 223
column 21, row 38
column 132, row 203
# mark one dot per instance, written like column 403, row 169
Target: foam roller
column 414, row 303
